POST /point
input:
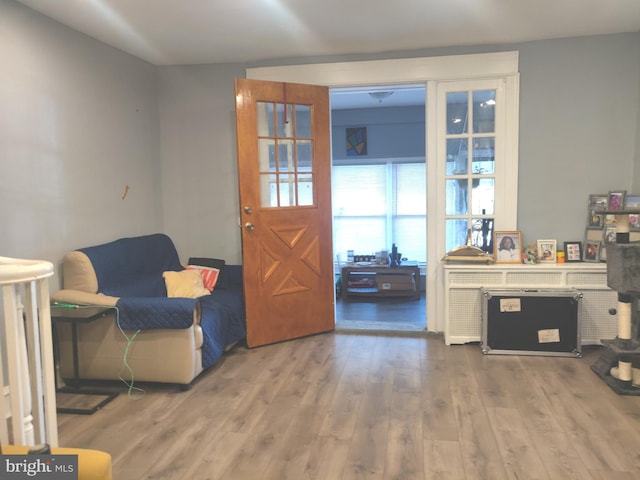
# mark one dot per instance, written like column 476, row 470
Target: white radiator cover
column 463, row 299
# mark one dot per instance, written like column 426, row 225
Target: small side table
column 75, row 315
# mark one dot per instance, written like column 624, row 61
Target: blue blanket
column 132, row 267
column 222, row 318
column 225, row 304
column 144, row 313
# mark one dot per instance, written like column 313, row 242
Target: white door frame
column 428, row 71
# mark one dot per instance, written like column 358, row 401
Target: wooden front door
column 284, row 170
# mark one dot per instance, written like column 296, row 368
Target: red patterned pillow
column 209, row 275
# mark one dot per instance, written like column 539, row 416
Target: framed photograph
column 632, row 202
column 598, row 201
column 507, row 247
column 572, row 251
column 547, row 250
column 610, row 219
column 634, row 222
column 596, row 219
column 592, row 250
column 616, row 200
column 609, row 234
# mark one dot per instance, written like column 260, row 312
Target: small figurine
column 394, row 259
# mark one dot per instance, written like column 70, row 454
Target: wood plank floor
column 382, row 314
column 351, row 406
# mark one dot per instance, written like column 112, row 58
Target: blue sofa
column 165, row 339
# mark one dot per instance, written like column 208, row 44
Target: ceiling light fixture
column 381, row 95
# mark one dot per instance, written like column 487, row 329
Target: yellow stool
column 92, row 464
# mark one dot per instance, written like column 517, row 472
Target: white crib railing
column 28, row 406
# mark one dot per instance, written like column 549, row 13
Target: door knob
column 249, row 226
column 247, row 209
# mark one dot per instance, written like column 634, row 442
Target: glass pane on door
column 268, row 193
column 483, row 161
column 303, row 121
column 457, row 156
column 284, row 119
column 484, row 120
column 267, row 154
column 286, row 191
column 304, row 155
column 305, row 190
column 266, row 120
column 285, row 154
column 457, row 113
column 482, row 196
column 455, row 233
column 456, row 200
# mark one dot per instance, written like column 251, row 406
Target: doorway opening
column 379, row 207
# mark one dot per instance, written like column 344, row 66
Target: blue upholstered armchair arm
column 145, row 313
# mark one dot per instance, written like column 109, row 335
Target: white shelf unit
column 463, row 299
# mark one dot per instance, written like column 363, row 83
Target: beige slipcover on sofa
column 172, row 355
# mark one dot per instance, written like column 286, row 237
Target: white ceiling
column 401, row 96
column 183, row 32
column 173, row 32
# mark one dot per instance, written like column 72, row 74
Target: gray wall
column 392, row 132
column 579, row 124
column 578, row 129
column 198, row 151
column 80, row 120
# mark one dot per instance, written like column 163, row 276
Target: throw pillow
column 185, row 284
column 212, row 263
column 209, row 275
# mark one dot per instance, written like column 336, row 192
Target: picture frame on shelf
column 609, row 234
column 595, row 220
column 634, row 222
column 610, row 219
column 598, row 201
column 592, row 250
column 572, row 251
column 547, row 251
column 592, row 235
column 632, row 201
column 507, row 246
column 616, row 200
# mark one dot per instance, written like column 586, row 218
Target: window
column 377, row 205
column 470, row 166
column 474, row 162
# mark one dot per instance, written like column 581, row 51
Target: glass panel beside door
column 470, row 167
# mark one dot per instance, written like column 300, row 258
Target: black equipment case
column 531, row 322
